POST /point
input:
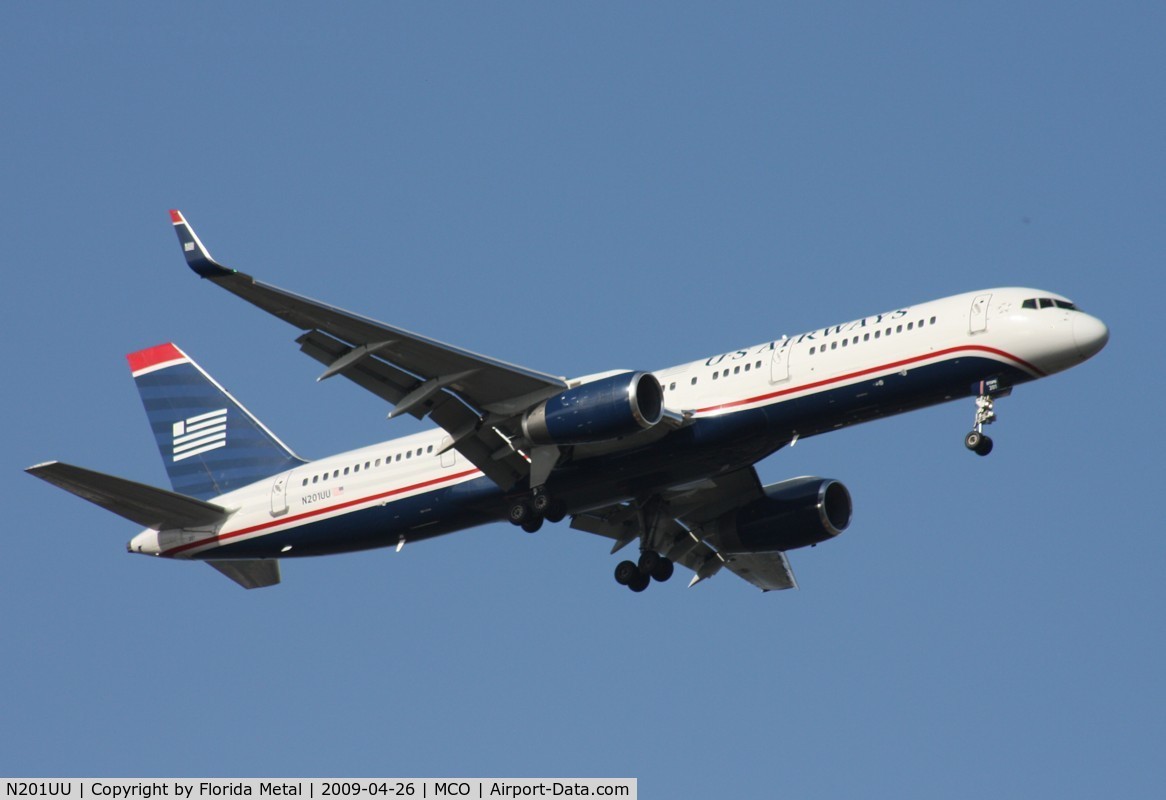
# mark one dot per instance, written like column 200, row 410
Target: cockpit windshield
column 1048, row 302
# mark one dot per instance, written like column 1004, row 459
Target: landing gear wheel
column 648, row 561
column 978, row 443
column 532, row 524
column 557, row 511
column 626, row 572
column 541, row 503
column 640, row 582
column 663, row 569
column 520, row 512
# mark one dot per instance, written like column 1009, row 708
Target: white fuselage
column 1022, row 334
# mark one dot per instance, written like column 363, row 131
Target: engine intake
column 793, row 513
column 604, row 409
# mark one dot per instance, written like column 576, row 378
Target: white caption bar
column 314, row 788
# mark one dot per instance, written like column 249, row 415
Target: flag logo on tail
column 200, row 434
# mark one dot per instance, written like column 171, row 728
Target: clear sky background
column 573, row 188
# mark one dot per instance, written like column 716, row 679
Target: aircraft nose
column 1090, row 334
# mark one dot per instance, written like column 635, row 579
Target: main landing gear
column 651, row 567
column 651, row 528
column 977, row 441
column 529, row 512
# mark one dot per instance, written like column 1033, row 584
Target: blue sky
column 579, row 187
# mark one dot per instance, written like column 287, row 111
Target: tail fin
column 209, row 442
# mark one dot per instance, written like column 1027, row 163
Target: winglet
column 197, row 257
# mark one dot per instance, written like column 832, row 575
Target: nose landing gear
column 977, row 441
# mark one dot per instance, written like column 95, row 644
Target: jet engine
column 792, row 514
column 603, row 409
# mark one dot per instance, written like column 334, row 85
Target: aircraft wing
column 467, row 394
column 684, row 526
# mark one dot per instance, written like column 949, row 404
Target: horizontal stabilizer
column 250, row 574
column 148, row 506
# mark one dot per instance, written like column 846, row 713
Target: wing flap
column 767, row 571
column 148, row 506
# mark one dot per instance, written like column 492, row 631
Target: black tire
column 520, row 512
column 663, row 569
column 557, row 511
column 973, row 441
column 984, row 447
column 648, row 561
column 532, row 524
column 625, row 572
column 640, row 582
column 541, row 504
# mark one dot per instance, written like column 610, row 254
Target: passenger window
column 877, row 333
column 694, row 381
column 898, row 329
column 408, row 454
column 736, row 370
column 672, row 386
column 336, row 473
column 315, row 479
column 378, row 463
column 812, row 350
column 429, row 449
column 866, row 337
column 833, row 345
column 758, row 365
column 747, row 367
column 325, row 478
column 716, row 375
column 845, row 342
column 933, row 320
column 346, row 470
column 305, row 483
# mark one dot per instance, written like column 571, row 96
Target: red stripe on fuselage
column 222, row 537
column 852, row 375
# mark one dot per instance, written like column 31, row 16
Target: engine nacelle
column 604, row 409
column 793, row 513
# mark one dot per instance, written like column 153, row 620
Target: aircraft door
column 449, row 456
column 279, row 495
column 779, row 368
column 978, row 318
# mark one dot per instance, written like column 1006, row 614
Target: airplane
column 664, row 458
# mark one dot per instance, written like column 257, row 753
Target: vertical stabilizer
column 209, row 442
